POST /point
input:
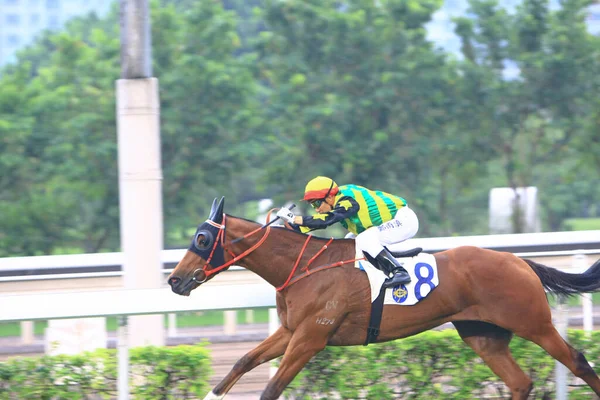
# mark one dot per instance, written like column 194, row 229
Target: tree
column 210, row 110
column 61, row 157
column 356, row 92
column 60, row 151
column 531, row 118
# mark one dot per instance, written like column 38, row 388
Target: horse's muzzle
column 178, row 285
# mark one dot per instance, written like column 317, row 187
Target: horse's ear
column 212, row 209
column 217, row 216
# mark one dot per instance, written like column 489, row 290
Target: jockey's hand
column 286, row 215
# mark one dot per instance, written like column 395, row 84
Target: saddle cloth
column 423, row 273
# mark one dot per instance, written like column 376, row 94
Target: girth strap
column 375, row 320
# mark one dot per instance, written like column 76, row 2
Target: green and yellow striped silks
column 376, row 207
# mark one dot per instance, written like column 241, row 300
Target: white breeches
column 404, row 226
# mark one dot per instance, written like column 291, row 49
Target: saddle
column 397, row 254
column 407, row 253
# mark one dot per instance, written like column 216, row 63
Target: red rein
column 291, row 279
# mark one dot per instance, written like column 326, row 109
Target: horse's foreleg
column 301, row 349
column 490, row 342
column 272, row 347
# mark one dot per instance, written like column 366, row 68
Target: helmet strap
column 329, row 191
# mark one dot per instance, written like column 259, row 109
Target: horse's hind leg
column 272, row 347
column 550, row 340
column 490, row 342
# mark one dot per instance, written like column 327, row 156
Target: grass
column 582, row 224
column 184, row 320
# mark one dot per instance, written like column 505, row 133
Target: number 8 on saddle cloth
column 424, row 278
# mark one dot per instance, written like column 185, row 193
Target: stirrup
column 401, row 277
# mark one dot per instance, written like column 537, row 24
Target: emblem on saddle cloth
column 424, row 278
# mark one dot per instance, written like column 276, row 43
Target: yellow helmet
column 319, row 188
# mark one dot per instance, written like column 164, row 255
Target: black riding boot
column 389, row 265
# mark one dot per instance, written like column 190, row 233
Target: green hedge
column 430, row 365
column 155, row 373
column 434, row 364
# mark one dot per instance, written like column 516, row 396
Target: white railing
column 76, row 266
column 524, row 245
column 105, row 303
column 123, row 303
column 574, row 240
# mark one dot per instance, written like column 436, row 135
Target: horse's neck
column 274, row 259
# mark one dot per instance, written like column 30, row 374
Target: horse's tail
column 566, row 284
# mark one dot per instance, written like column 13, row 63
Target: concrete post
column 249, row 316
column 229, row 327
column 561, row 372
column 27, row 332
column 140, row 197
column 122, row 359
column 172, row 325
column 140, row 173
column 136, row 40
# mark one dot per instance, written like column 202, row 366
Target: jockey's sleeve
column 346, row 207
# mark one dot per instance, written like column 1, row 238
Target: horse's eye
column 203, row 240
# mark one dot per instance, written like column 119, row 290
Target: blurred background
column 483, row 114
column 438, row 102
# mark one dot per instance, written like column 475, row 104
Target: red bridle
column 289, row 281
column 221, row 237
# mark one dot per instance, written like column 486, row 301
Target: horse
column 487, row 295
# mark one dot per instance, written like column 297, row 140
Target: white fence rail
column 123, row 303
column 523, row 243
column 106, row 303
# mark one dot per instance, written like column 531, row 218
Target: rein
column 290, row 279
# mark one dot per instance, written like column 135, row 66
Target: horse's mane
column 282, row 229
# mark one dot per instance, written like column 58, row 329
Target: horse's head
column 204, row 256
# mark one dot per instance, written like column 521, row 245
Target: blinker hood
column 206, row 239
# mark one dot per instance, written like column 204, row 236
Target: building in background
column 22, row 20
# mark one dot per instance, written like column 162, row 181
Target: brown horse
column 323, row 300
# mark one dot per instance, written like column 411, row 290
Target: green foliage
column 58, row 153
column 434, row 364
column 534, row 120
column 64, row 377
column 259, row 96
column 429, row 365
column 210, row 111
column 180, row 372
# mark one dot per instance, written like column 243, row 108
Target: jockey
column 376, row 218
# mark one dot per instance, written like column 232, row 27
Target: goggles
column 317, row 203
